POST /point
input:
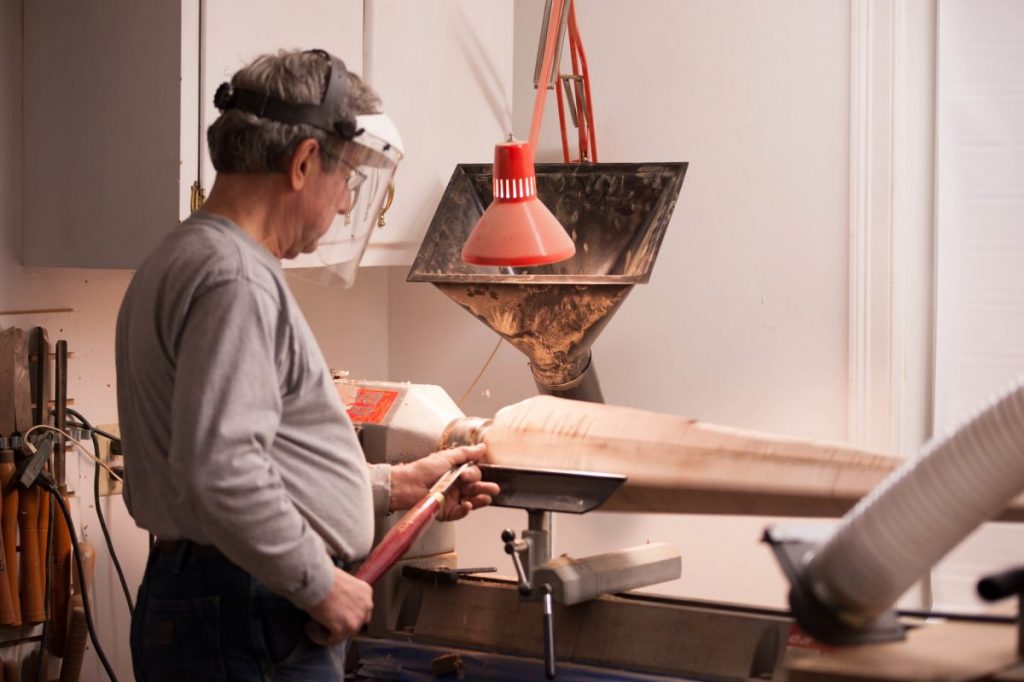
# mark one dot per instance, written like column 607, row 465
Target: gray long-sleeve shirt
column 232, row 430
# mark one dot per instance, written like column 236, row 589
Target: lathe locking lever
column 515, row 548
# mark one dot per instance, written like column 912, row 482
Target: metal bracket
column 815, row 617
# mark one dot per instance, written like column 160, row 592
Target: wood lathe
column 426, row 605
column 565, row 452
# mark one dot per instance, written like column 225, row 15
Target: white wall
column 744, row 321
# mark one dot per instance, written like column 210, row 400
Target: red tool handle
column 398, row 540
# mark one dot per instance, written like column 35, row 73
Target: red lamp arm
column 545, row 71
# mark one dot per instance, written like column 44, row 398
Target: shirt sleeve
column 226, row 411
column 380, row 484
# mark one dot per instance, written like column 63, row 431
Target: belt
column 193, row 548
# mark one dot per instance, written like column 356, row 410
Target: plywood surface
column 940, row 651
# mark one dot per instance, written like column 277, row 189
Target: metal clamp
column 817, row 618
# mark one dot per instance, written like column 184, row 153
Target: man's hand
column 411, row 482
column 342, row 612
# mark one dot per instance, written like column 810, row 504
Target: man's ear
column 304, row 159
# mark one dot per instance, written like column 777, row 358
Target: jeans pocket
column 179, row 639
column 284, row 631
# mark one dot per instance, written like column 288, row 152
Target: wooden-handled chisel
column 9, row 520
column 412, row 524
column 33, row 604
column 78, row 627
column 8, row 616
column 9, row 531
column 60, row 556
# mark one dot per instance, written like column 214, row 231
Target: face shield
column 371, row 151
column 370, row 158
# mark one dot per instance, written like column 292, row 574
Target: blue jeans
column 201, row 618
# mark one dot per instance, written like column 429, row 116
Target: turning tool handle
column 6, row 603
column 88, row 554
column 7, row 612
column 33, row 607
column 398, row 540
column 43, row 525
column 549, row 632
column 60, row 585
column 77, row 639
column 78, row 627
column 9, row 529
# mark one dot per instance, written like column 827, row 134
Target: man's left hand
column 411, row 482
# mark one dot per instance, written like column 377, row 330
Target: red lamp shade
column 516, row 229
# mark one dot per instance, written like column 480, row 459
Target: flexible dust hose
column 889, row 540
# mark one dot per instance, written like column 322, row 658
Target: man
column 242, row 461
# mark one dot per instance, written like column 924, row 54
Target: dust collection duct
column 616, row 213
column 842, row 589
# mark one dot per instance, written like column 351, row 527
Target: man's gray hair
column 241, row 142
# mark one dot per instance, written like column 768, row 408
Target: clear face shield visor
column 370, row 159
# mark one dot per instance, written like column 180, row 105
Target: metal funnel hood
column 616, row 213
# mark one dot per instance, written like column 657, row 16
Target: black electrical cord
column 105, row 434
column 49, row 487
column 106, row 533
column 99, row 507
column 84, row 423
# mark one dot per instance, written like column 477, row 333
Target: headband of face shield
column 370, row 154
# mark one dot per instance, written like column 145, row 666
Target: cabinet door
column 102, row 94
column 443, row 69
column 237, row 31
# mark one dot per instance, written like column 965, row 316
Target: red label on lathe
column 371, row 405
column 798, row 639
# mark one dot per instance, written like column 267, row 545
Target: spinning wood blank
column 680, row 465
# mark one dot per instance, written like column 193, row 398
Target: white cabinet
column 118, row 95
column 116, row 110
column 443, row 69
column 102, row 115
column 237, row 31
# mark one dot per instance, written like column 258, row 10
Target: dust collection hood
column 616, row 213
